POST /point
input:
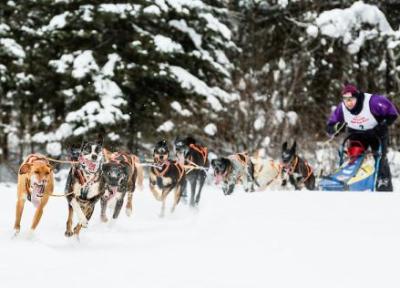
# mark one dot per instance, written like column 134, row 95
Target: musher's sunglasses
column 348, row 98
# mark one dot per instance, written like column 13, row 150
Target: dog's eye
column 47, row 173
column 36, row 172
column 98, row 149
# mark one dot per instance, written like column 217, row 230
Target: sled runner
column 357, row 169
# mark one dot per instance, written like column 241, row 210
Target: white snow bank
column 273, row 239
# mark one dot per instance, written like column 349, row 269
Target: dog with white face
column 85, row 186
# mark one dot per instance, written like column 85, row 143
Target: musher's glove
column 334, row 129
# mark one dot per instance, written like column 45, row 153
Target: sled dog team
column 98, row 174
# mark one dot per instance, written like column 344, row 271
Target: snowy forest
column 236, row 74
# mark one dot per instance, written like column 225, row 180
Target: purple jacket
column 380, row 106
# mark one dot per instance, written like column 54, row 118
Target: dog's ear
column 284, row 146
column 293, row 149
column 50, row 167
column 25, row 168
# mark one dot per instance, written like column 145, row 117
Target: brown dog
column 165, row 176
column 35, row 183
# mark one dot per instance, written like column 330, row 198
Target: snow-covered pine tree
column 135, row 71
column 26, row 90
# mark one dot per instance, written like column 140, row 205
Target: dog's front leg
column 131, row 189
column 68, row 231
column 193, row 185
column 164, row 195
column 228, row 188
column 18, row 215
column 153, row 189
column 284, row 178
column 177, row 196
column 39, row 212
column 77, row 209
column 293, row 182
column 118, row 207
column 89, row 212
column 103, row 204
column 202, row 179
column 247, row 183
column 129, row 205
column 77, row 230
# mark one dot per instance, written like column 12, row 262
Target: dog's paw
column 16, row 232
column 83, row 223
column 104, row 219
column 68, row 233
column 128, row 212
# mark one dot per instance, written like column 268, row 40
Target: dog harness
column 202, row 150
column 291, row 168
column 167, row 165
column 85, row 182
column 239, row 162
column 119, row 157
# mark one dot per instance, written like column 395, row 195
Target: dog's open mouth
column 37, row 189
column 91, row 166
column 219, row 177
column 112, row 192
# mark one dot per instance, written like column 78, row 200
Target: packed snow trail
column 265, row 239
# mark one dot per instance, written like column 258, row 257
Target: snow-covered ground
column 265, row 239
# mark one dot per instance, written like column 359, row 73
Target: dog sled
column 358, row 168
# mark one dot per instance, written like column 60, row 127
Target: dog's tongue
column 37, row 190
column 114, row 190
column 92, row 166
column 218, row 178
column 37, row 193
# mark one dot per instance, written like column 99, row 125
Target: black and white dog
column 195, row 157
column 233, row 170
column 85, row 184
column 298, row 170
